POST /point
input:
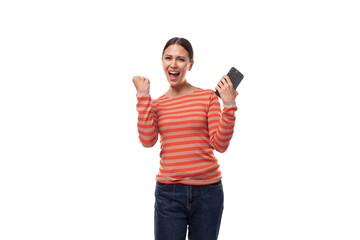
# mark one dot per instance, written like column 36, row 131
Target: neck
column 181, row 89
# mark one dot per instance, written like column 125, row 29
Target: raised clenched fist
column 141, row 83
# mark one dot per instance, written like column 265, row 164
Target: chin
column 173, row 84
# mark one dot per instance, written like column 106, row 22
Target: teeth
column 173, row 72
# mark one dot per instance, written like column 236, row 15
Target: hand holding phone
column 235, row 77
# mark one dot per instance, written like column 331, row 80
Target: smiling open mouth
column 175, row 74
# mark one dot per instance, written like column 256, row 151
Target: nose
column 173, row 63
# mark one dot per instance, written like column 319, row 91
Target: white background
column 71, row 165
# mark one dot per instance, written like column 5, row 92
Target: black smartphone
column 235, row 76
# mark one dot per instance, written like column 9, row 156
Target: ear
column 191, row 65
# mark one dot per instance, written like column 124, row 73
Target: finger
column 135, row 79
column 222, row 82
column 228, row 80
column 218, row 88
column 225, row 79
column 225, row 83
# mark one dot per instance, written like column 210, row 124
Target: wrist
column 142, row 93
column 229, row 104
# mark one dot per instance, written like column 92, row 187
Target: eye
column 181, row 60
column 167, row 58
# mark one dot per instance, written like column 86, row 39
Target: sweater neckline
column 183, row 95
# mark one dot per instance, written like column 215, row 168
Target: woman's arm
column 147, row 119
column 221, row 123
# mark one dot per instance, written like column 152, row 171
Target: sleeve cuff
column 229, row 104
column 143, row 93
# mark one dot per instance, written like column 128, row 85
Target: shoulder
column 210, row 93
column 160, row 99
column 207, row 92
column 210, row 97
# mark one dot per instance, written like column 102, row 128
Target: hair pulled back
column 182, row 42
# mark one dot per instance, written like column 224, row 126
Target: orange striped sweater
column 190, row 128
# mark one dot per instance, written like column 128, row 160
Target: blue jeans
column 178, row 206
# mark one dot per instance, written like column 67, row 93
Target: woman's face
column 176, row 63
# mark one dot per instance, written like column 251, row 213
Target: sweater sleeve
column 147, row 119
column 221, row 123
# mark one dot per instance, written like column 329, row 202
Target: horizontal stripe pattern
column 191, row 127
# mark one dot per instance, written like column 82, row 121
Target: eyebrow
column 168, row 55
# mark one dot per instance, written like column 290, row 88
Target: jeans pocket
column 216, row 185
column 160, row 185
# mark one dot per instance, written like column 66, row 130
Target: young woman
column 189, row 191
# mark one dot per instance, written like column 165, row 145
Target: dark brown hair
column 182, row 42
